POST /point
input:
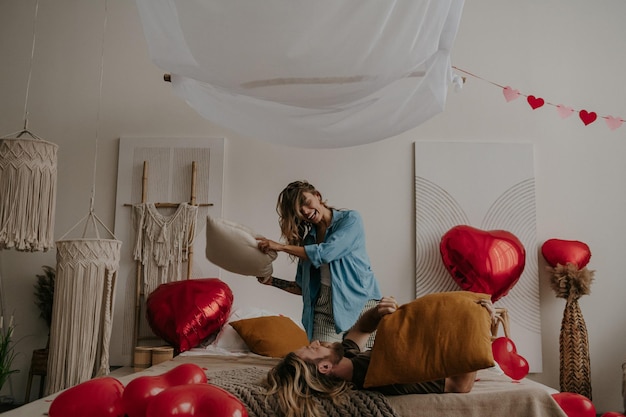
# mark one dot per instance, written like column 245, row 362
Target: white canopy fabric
column 313, row 74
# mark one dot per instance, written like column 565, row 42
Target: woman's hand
column 265, row 280
column 266, row 245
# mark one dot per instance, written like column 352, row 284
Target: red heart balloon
column 184, row 313
column 511, row 363
column 98, row 397
column 612, row 414
column 575, row 405
column 558, row 251
column 489, row 262
column 198, row 400
column 140, row 391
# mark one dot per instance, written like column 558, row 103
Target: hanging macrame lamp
column 28, row 179
column 28, row 183
column 313, row 74
column 82, row 312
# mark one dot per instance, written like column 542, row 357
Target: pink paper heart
column 587, row 117
column 535, row 102
column 564, row 111
column 510, row 94
column 613, row 122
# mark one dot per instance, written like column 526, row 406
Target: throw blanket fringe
column 245, row 384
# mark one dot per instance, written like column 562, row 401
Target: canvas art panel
column 488, row 186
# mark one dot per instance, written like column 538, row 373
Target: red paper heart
column 511, row 363
column 184, row 313
column 575, row 405
column 489, row 262
column 98, row 397
column 558, row 251
column 535, row 102
column 587, row 117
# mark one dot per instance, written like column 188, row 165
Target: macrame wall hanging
column 163, row 242
column 82, row 312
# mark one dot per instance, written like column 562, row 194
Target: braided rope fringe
column 82, row 311
column 28, row 179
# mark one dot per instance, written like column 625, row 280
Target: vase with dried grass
column 570, row 282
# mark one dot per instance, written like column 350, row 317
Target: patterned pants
column 324, row 322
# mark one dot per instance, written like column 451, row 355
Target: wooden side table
column 39, row 367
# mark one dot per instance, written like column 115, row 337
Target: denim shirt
column 352, row 281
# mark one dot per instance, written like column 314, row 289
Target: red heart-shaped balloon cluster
column 489, row 262
column 575, row 405
column 140, row 391
column 98, row 397
column 184, row 313
column 197, row 400
column 180, row 392
column 558, row 251
column 505, row 354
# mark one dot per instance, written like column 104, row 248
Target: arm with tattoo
column 288, row 286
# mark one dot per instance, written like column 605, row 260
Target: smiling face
column 317, row 351
column 311, row 208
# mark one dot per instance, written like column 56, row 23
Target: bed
column 493, row 394
column 230, row 364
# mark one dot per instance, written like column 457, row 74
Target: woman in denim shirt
column 334, row 275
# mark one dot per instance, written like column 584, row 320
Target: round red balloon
column 489, row 262
column 575, row 405
column 511, row 363
column 558, row 251
column 98, row 397
column 198, row 400
column 612, row 414
column 140, row 391
column 184, row 313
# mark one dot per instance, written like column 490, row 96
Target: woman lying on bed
column 331, row 369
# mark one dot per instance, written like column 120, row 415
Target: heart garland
column 585, row 116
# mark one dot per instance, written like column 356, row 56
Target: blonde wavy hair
column 293, row 226
column 294, row 383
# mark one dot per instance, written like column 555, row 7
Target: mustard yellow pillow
column 434, row 336
column 273, row 336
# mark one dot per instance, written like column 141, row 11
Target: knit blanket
column 245, row 384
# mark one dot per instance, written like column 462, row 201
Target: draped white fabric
column 314, row 74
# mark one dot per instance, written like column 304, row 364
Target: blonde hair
column 294, row 383
column 293, row 226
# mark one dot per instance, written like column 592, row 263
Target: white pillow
column 234, row 248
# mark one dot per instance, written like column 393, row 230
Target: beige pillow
column 432, row 337
column 234, row 248
column 273, row 336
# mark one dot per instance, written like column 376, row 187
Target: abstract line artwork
column 489, row 186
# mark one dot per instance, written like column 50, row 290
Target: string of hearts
column 587, row 117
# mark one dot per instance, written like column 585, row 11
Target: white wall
column 566, row 51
